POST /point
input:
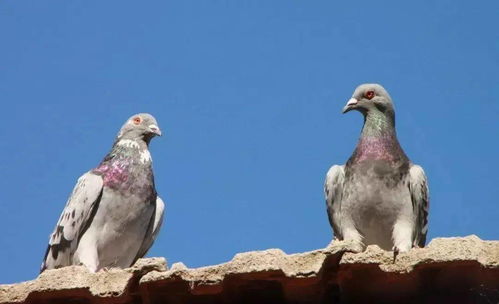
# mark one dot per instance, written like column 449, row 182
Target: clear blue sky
column 248, row 95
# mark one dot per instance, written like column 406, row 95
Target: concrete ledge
column 462, row 270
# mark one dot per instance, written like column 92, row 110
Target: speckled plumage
column 114, row 214
column 378, row 196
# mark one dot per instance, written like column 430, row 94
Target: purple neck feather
column 384, row 147
column 378, row 139
column 114, row 173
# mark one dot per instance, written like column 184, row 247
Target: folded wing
column 74, row 220
column 153, row 230
column 333, row 192
column 418, row 187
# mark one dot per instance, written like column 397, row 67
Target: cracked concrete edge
column 299, row 265
column 271, row 264
column 110, row 283
column 310, row 264
column 439, row 250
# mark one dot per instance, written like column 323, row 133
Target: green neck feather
column 378, row 124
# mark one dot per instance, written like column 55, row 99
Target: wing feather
column 153, row 230
column 418, row 187
column 75, row 218
column 333, row 190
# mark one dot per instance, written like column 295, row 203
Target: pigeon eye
column 137, row 120
column 369, row 95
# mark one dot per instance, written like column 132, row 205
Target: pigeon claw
column 395, row 253
column 355, row 246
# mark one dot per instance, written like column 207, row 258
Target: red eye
column 369, row 95
column 137, row 120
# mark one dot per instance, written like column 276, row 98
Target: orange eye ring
column 369, row 95
column 137, row 120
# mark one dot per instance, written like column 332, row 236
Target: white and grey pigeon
column 379, row 196
column 114, row 214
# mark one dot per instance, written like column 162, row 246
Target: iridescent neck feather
column 378, row 139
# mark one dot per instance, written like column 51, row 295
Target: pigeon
column 114, row 214
column 379, row 196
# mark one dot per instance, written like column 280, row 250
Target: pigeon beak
column 352, row 102
column 155, row 129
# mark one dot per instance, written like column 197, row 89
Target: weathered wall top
column 462, row 270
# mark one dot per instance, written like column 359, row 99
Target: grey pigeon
column 379, row 196
column 114, row 214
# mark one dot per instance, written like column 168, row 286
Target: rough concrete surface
column 457, row 270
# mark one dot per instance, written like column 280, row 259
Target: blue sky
column 248, row 95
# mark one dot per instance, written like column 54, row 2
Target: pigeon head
column 368, row 98
column 140, row 126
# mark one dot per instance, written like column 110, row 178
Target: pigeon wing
column 74, row 220
column 153, row 230
column 333, row 191
column 418, row 187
